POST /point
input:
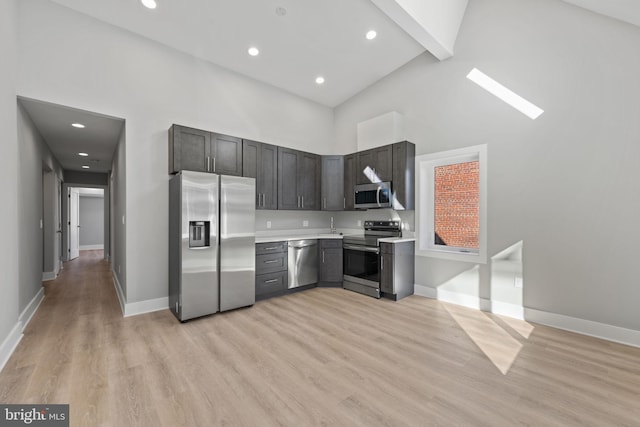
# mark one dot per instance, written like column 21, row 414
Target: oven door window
column 361, row 264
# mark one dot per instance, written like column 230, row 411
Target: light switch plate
column 518, row 282
column 305, row 223
column 268, row 224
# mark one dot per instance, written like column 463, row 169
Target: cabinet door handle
column 302, row 197
column 324, row 203
column 381, row 262
column 208, row 158
column 344, row 203
column 323, row 256
column 271, row 281
column 273, row 261
column 271, row 248
column 214, row 164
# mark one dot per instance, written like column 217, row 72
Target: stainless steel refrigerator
column 211, row 243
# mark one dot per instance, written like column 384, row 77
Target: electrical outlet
column 518, row 282
column 268, row 224
column 359, row 223
column 305, row 223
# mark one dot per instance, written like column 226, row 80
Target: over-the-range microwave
column 374, row 195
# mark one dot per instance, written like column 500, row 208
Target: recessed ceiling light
column 78, row 125
column 151, row 4
column 319, row 80
column 83, row 154
column 516, row 101
column 281, row 11
column 253, row 51
column 85, row 167
column 371, row 35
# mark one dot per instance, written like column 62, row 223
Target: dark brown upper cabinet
column 260, row 161
column 226, row 155
column 332, row 183
column 375, row 165
column 298, row 180
column 350, row 166
column 188, row 149
column 202, row 151
column 403, row 180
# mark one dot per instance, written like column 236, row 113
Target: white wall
column 566, row 184
column 91, row 221
column 51, row 219
column 117, row 73
column 34, row 155
column 118, row 229
column 9, row 189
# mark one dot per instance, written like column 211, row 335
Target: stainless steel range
column 362, row 256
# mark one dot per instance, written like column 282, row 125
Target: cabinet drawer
column 330, row 243
column 270, row 263
column 270, row 248
column 270, row 283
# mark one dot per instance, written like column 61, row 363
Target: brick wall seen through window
column 456, row 205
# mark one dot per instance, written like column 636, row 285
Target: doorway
column 87, row 220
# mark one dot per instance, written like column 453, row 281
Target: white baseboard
column 425, row 291
column 505, row 309
column 147, row 306
column 581, row 326
column 48, row 275
column 10, row 343
column 139, row 307
column 585, row 327
column 91, row 247
column 31, row 308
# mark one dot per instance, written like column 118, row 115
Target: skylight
column 516, row 101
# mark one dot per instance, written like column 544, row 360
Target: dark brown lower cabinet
column 330, row 263
column 271, row 269
column 397, row 275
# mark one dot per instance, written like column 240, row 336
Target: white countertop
column 292, row 236
column 396, row 239
column 285, row 236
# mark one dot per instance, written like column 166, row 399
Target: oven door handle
column 361, row 248
column 378, row 195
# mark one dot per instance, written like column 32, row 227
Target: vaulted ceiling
column 298, row 40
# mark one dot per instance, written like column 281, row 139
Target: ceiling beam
column 432, row 23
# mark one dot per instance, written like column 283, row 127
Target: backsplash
column 349, row 220
column 292, row 220
column 320, row 221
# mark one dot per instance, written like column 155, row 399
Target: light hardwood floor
column 325, row 357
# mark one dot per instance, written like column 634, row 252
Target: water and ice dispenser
column 199, row 234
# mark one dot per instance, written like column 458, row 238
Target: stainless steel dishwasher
column 303, row 262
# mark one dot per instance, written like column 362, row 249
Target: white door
column 74, row 223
